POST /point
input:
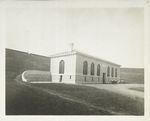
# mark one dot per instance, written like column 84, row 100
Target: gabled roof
column 67, row 53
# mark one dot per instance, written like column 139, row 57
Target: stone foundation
column 88, row 79
column 81, row 79
column 63, row 78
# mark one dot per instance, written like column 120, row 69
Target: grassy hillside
column 22, row 99
column 17, row 62
column 67, row 99
column 132, row 75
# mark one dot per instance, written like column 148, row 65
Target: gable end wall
column 69, row 71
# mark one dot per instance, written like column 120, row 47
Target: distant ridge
column 132, row 75
column 26, row 52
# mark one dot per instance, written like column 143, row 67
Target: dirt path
column 121, row 88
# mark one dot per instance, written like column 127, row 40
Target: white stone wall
column 73, row 72
column 80, row 78
column 69, row 71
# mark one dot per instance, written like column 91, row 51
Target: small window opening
column 70, row 76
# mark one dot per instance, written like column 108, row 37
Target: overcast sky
column 113, row 34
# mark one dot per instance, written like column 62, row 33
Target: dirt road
column 121, row 88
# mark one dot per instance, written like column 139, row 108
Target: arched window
column 116, row 72
column 112, row 72
column 61, row 67
column 92, row 68
column 98, row 70
column 85, row 68
column 108, row 71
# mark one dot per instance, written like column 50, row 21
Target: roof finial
column 70, row 47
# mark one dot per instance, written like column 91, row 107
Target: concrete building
column 77, row 67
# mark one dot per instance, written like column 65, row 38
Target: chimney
column 70, row 47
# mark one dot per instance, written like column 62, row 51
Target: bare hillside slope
column 17, row 62
column 132, row 75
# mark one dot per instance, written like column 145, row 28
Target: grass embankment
column 132, row 75
column 21, row 99
column 100, row 98
column 141, row 89
column 66, row 99
column 17, row 62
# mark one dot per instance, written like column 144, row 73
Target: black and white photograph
column 75, row 58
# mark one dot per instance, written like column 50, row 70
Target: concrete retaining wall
column 34, row 76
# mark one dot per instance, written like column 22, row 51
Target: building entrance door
column 60, row 78
column 104, row 78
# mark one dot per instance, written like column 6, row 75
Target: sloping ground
column 132, row 75
column 67, row 99
column 140, row 89
column 17, row 62
column 131, row 90
column 102, row 99
column 22, row 99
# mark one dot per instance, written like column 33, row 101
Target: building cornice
column 62, row 54
column 75, row 52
